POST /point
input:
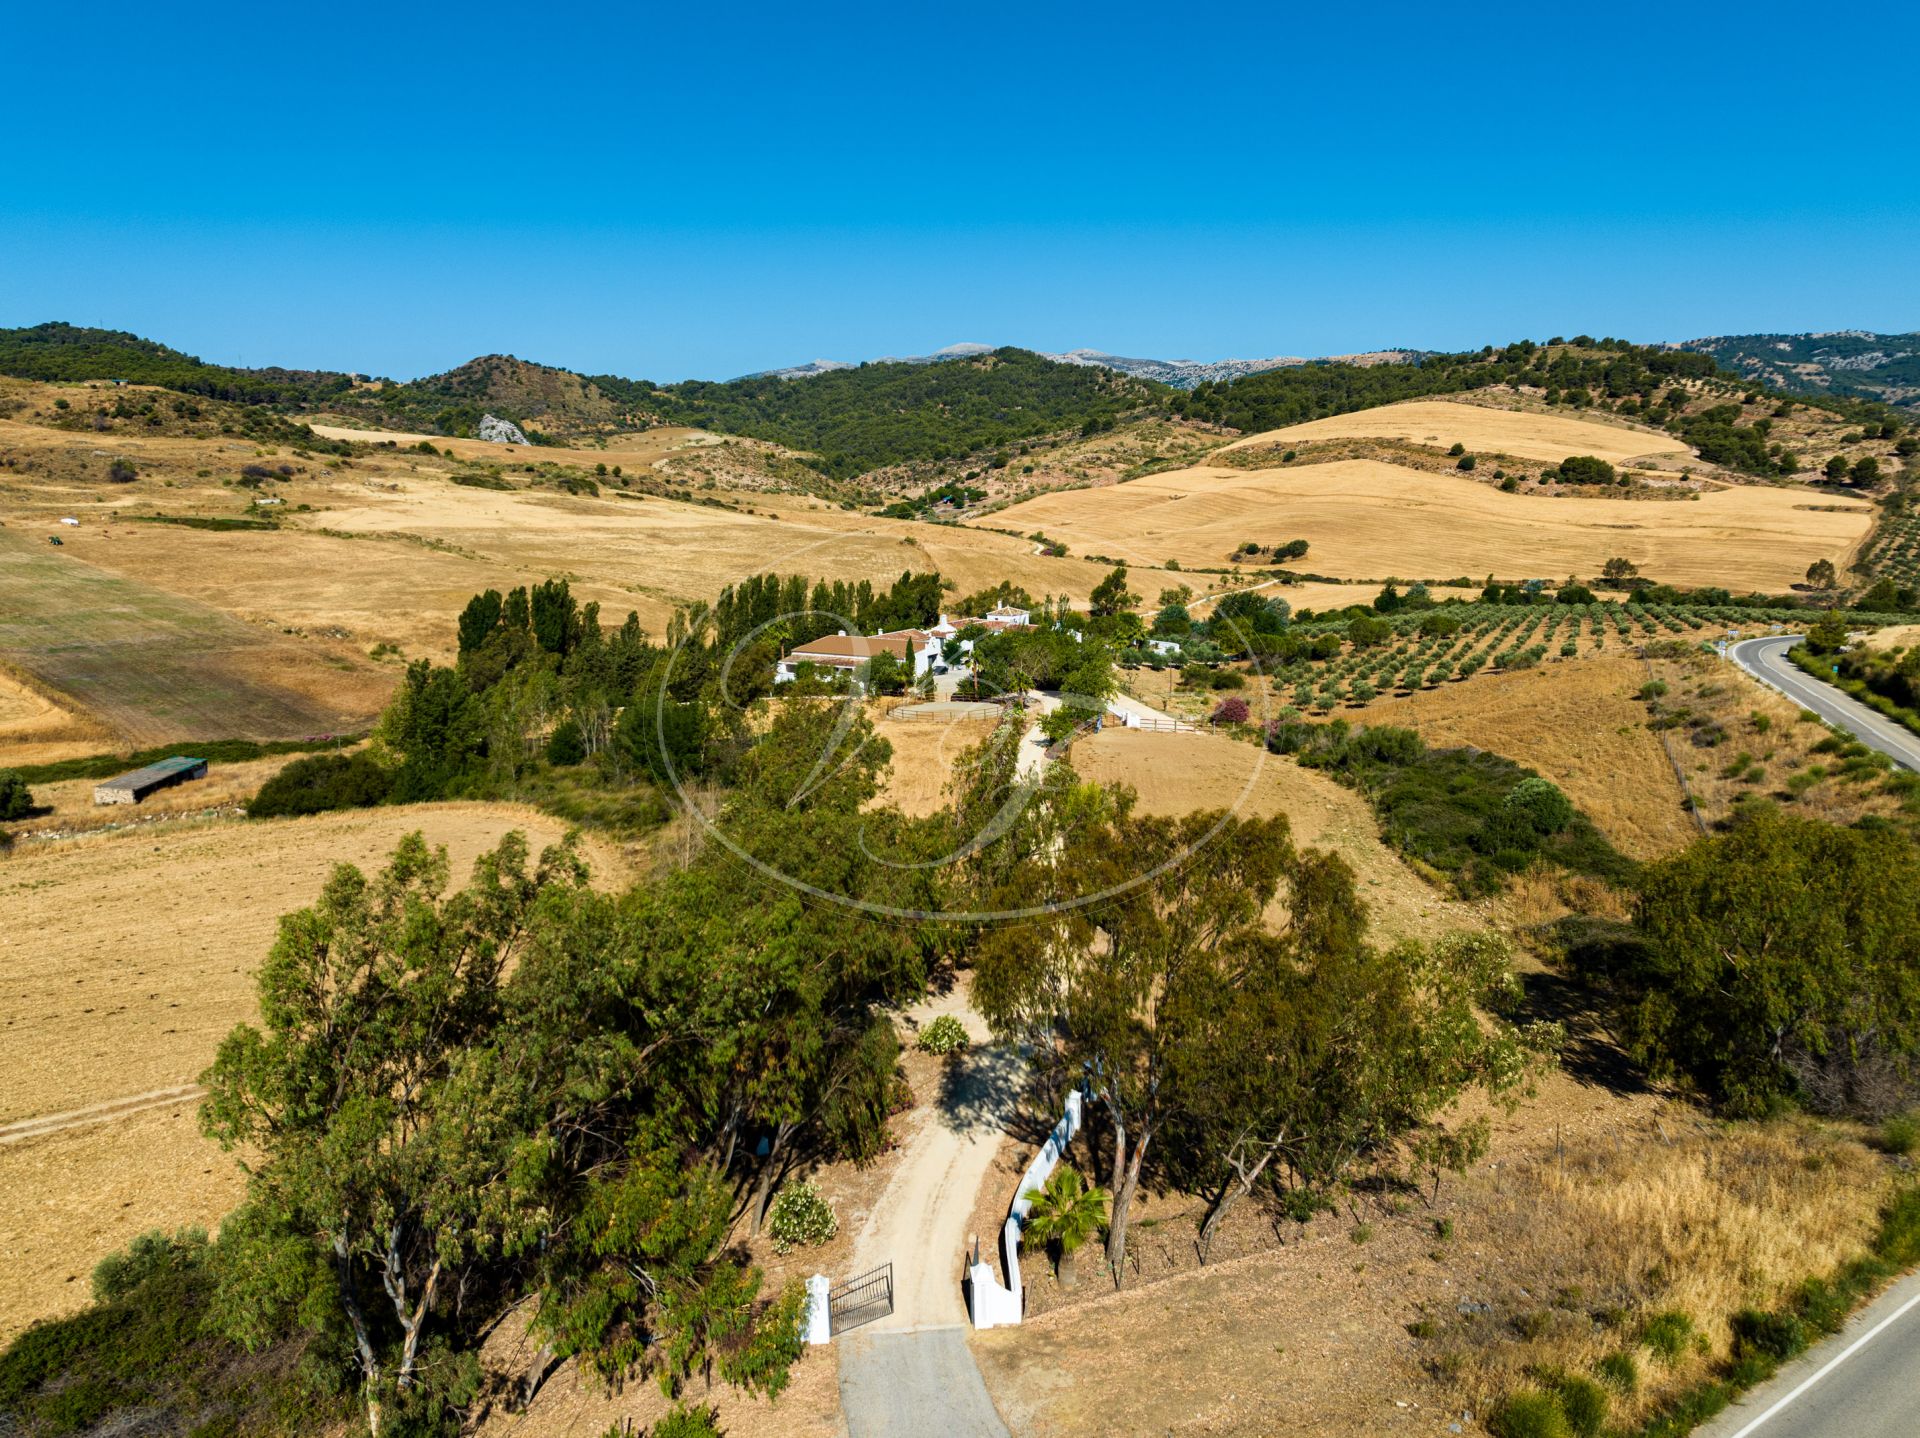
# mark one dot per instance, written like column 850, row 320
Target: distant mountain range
column 1180, row 374
column 1856, row 363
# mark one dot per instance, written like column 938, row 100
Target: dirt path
column 913, row 1372
column 51, row 1123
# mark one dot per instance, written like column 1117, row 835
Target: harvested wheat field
column 127, row 957
column 1548, row 438
column 150, row 666
column 394, row 564
column 70, row 1197
column 1366, row 520
column 35, row 729
column 1579, row 723
column 1179, row 773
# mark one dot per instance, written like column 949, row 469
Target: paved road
column 1766, row 659
column 912, row 1373
column 1864, row 1382
column 914, row 1385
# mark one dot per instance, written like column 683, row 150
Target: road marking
column 1852, row 1348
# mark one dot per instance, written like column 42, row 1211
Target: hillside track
column 47, row 1124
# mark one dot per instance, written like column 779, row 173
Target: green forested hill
column 1272, row 399
column 861, row 419
column 63, row 352
column 1846, row 362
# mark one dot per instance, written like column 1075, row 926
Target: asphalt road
column 1864, row 1382
column 1766, row 659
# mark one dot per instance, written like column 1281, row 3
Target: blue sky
column 702, row 191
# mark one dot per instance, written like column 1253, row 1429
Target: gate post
column 819, row 1322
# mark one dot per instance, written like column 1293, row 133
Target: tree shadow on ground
column 980, row 1089
column 1591, row 1053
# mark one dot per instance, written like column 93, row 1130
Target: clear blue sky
column 706, row 190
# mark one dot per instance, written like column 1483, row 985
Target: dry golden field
column 276, row 625
column 1548, row 438
column 1179, row 773
column 35, row 729
column 1367, row 520
column 1578, row 722
column 924, row 751
column 124, row 959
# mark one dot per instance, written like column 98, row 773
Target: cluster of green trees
column 71, row 353
column 526, row 1089
column 1275, row 398
column 855, row 420
column 540, row 686
column 1225, row 1057
column 1774, row 964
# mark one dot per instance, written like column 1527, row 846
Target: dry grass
column 37, row 729
column 70, row 1199
column 1367, row 520
column 1548, row 438
column 924, row 751
column 1728, row 706
column 1578, row 722
column 128, row 956
column 387, row 549
column 151, row 666
column 1593, row 1211
column 1583, row 1243
column 1179, row 773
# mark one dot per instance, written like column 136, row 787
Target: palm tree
column 1066, row 1213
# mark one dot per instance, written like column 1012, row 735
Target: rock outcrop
column 495, row 430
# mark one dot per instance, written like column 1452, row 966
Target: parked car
column 939, row 669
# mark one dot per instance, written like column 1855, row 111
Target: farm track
column 46, row 1124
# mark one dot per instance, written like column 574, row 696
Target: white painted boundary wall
column 994, row 1306
column 816, row 1322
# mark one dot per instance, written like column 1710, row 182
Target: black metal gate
column 861, row 1300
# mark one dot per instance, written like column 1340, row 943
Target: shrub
column 1899, row 1134
column 800, row 1216
column 157, row 1252
column 1542, row 803
column 1585, row 469
column 1620, row 1372
column 322, row 782
column 945, row 1035
column 16, row 799
column 121, row 471
column 679, row 1423
column 1529, row 1414
column 566, row 745
column 1667, row 1335
column 1231, row 710
column 1584, row 1402
column 1775, row 1337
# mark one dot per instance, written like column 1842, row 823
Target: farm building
column 132, row 788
